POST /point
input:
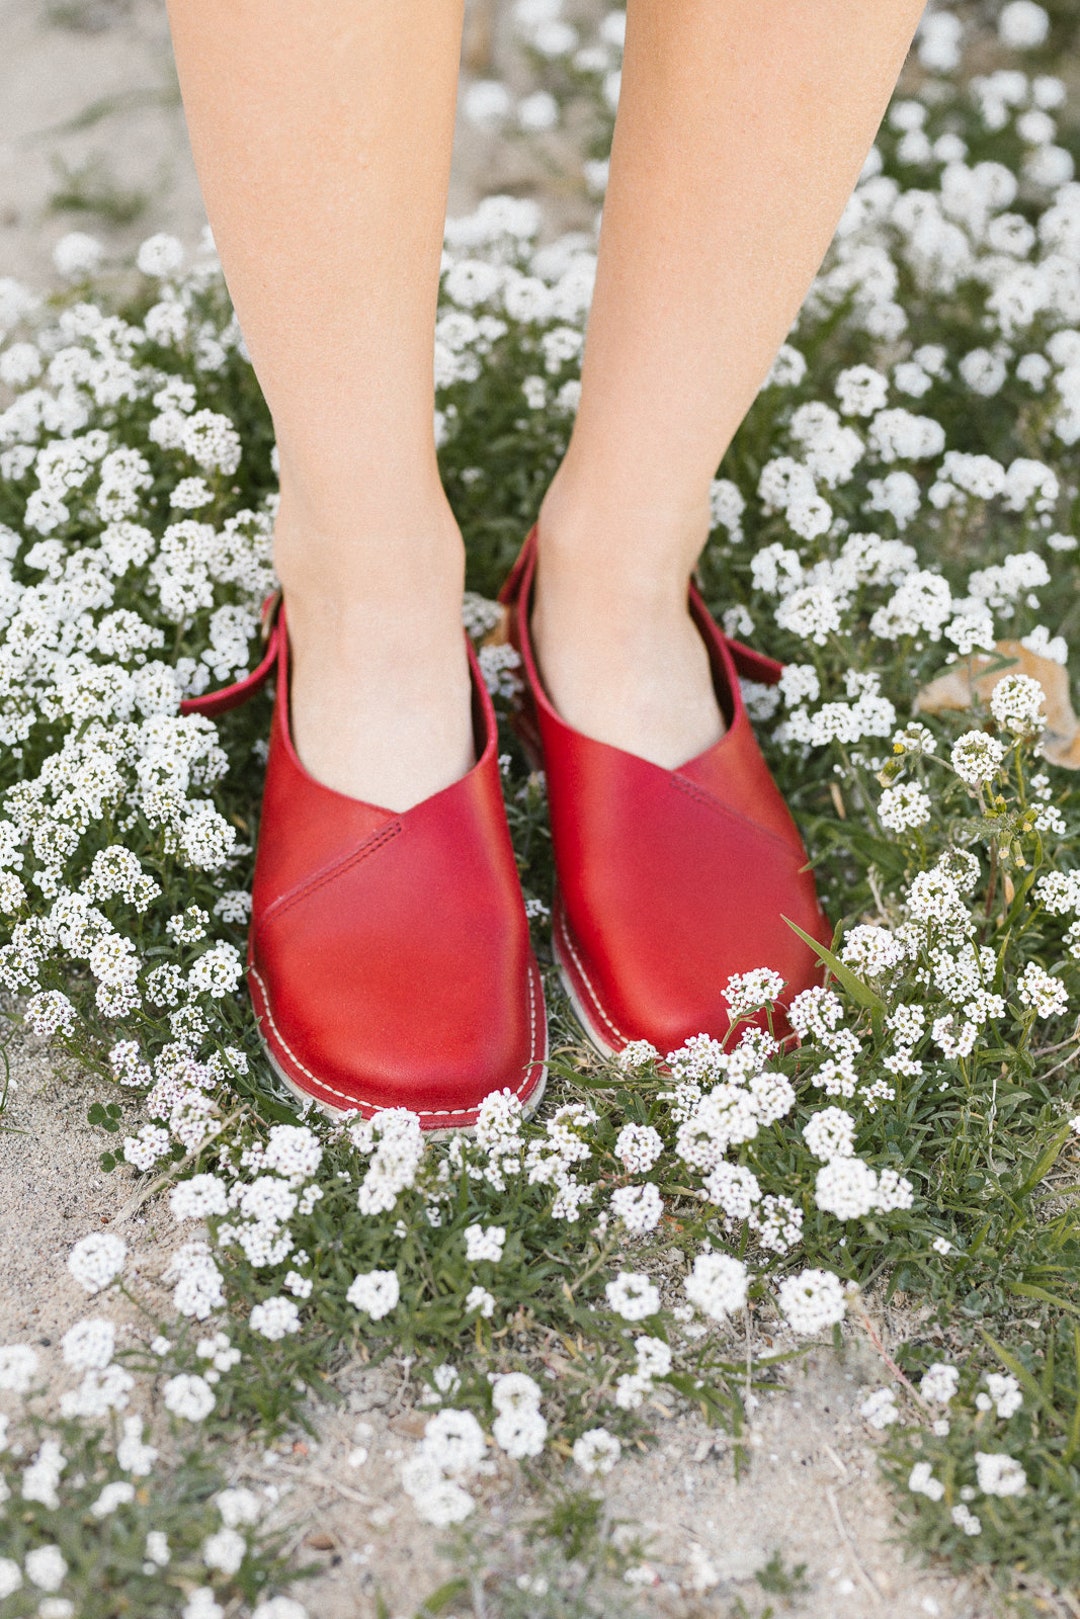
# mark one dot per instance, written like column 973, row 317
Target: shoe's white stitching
column 422, row 1113
column 564, row 935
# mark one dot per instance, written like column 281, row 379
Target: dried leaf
column 977, row 676
column 499, row 634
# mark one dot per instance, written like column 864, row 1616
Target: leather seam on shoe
column 421, row 1113
column 565, row 932
column 708, row 800
column 310, row 885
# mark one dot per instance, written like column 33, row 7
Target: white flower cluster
column 717, row 1285
column 519, row 1427
column 452, row 1448
column 395, row 1142
column 653, row 1359
column 550, row 1160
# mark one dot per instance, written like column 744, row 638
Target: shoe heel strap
column 226, row 697
column 753, row 665
column 511, row 583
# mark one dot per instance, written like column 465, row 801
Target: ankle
column 373, row 560
column 627, row 556
column 368, row 596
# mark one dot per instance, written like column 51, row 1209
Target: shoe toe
column 669, row 881
column 403, row 978
column 652, row 926
column 389, row 958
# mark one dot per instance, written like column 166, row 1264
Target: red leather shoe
column 389, row 959
column 668, row 881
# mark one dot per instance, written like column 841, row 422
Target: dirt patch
column 811, row 1495
column 90, row 109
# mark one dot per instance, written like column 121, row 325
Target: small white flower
column 77, row 255
column 717, row 1285
column 97, row 1260
column 202, row 1604
column 1005, row 1392
column 116, row 1494
column 921, row 1481
column 486, row 103
column 880, row 1409
column 632, row 1296
column 904, row 806
column 830, row 1134
column 846, row 1187
column 478, row 1299
column 42, row 1477
column 1018, row 702
column 189, row 1396
column 939, row 1383
column 977, row 758
column 638, row 1146
column 1023, row 25
column 811, row 1300
column 596, row 1451
column 46, row 1567
column 640, row 1208
column 237, row 1506
column 132, row 1454
column 89, row 1345
column 520, row 1433
column 157, row 1548
column 1040, row 990
column 275, row 1318
column 375, row 1292
column 161, row 255
column 999, row 1474
column 963, row 1517
column 747, row 992
column 224, row 1550
column 18, row 1363
column 484, row 1243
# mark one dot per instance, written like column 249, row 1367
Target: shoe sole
column 530, row 743
column 439, row 1133
column 566, row 978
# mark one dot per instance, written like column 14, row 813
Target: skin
column 322, row 136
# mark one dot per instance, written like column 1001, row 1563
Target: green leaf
column 107, row 1161
column 859, row 991
column 1028, row 1290
column 1045, row 1160
column 1074, row 1427
column 439, row 1600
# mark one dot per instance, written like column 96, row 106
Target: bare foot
column 380, row 690
column 628, row 667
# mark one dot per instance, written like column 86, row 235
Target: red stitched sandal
column 389, row 959
column 668, row 881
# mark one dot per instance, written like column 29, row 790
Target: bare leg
column 741, row 131
column 322, row 135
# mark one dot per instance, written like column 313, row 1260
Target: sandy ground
column 90, row 107
column 811, row 1492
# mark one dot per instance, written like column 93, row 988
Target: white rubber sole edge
column 529, row 1107
column 595, row 1040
